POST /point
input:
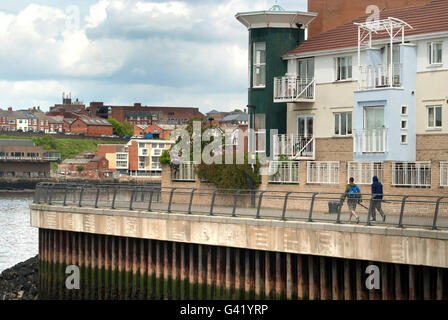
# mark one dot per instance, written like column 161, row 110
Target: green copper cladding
column 278, row 42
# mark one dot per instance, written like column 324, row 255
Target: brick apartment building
column 92, row 127
column 86, row 164
column 163, row 132
column 145, row 115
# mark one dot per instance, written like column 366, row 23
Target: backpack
column 354, row 193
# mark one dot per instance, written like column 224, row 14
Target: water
column 18, row 241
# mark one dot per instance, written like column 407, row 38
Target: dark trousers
column 376, row 205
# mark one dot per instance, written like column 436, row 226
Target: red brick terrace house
column 92, row 127
column 164, row 131
column 86, row 164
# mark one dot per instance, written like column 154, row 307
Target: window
column 322, row 172
column 343, row 68
column 435, row 52
column 363, row 172
column 404, row 110
column 343, row 123
column 434, row 117
column 404, row 124
column 305, row 68
column 259, row 65
column 404, row 138
column 411, row 174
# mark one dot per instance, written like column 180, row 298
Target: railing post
column 114, row 197
column 284, row 206
column 259, row 204
column 171, row 199
column 370, row 213
column 403, row 203
column 65, row 196
column 191, row 200
column 436, row 213
column 310, row 216
column 46, row 193
column 213, row 201
column 80, row 197
column 97, row 196
column 341, row 202
column 132, row 200
column 50, row 198
column 150, row 199
column 235, row 201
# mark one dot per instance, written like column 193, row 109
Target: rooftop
column 16, row 142
column 426, row 19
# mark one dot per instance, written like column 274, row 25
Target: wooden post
column 325, row 290
column 107, row 249
column 153, row 269
column 335, row 283
column 228, row 280
column 426, row 283
column 166, row 272
column 313, row 278
column 174, row 273
column 192, row 273
column 209, row 285
column 288, row 277
column 279, row 285
column 183, row 273
column 302, row 278
column 135, row 267
column 399, row 294
column 440, row 282
column 412, row 283
column 142, row 269
column 268, row 294
column 238, row 276
column 361, row 290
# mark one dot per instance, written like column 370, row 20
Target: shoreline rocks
column 20, row 282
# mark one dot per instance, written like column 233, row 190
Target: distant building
column 23, row 159
column 237, row 123
column 69, row 105
column 139, row 157
column 29, row 121
column 86, row 164
column 92, row 127
column 156, row 130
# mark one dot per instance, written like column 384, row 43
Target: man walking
column 377, row 198
column 354, row 197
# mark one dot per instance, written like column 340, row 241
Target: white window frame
column 256, row 65
column 347, row 127
column 401, row 138
column 320, row 172
column 404, row 114
column 286, row 172
column 401, row 124
column 431, row 53
column 363, row 172
column 444, row 174
column 349, row 67
column 434, row 127
column 412, row 174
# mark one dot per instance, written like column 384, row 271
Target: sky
column 190, row 53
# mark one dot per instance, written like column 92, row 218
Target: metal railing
column 370, row 141
column 411, row 174
column 323, row 172
column 363, row 172
column 294, row 146
column 401, row 210
column 380, row 76
column 294, row 89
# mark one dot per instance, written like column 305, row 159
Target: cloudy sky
column 173, row 53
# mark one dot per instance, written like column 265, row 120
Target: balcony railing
column 370, row 141
column 184, row 172
column 294, row 89
column 296, row 147
column 284, row 172
column 381, row 76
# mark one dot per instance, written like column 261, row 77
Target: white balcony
column 380, row 77
column 370, row 141
column 294, row 89
column 295, row 147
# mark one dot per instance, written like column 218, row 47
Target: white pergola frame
column 392, row 26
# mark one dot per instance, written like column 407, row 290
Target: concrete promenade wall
column 382, row 244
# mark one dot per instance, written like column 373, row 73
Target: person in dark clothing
column 377, row 198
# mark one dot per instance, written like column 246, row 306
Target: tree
column 80, row 169
column 121, row 129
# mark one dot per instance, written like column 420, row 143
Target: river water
column 18, row 241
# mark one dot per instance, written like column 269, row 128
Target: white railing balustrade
column 444, row 174
column 370, row 141
column 284, row 172
column 184, row 172
column 294, row 89
column 411, row 174
column 363, row 172
column 295, row 147
column 380, row 76
column 323, row 172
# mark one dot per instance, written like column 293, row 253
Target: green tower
column 272, row 34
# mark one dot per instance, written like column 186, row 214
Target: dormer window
column 435, row 52
column 259, row 65
column 344, row 68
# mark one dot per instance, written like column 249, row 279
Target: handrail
column 309, row 206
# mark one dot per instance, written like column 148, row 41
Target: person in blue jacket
column 377, row 198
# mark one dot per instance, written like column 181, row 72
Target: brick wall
column 432, row 147
column 328, row 149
